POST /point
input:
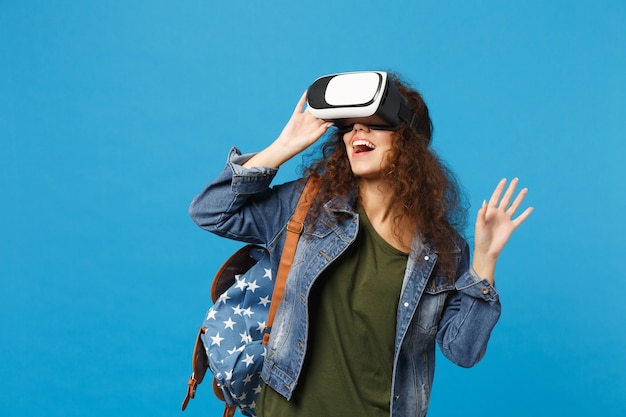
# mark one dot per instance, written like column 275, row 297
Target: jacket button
column 426, row 257
column 406, row 304
column 484, row 290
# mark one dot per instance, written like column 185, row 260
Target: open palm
column 495, row 222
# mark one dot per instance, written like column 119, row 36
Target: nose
column 360, row 126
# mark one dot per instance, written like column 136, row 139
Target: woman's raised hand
column 495, row 223
column 302, row 129
column 300, row 132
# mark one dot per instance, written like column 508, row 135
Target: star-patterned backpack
column 233, row 338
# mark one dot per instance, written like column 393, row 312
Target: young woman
column 381, row 272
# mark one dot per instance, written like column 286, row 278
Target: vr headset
column 367, row 97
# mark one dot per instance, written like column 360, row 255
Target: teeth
column 362, row 142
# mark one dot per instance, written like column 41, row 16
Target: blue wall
column 114, row 114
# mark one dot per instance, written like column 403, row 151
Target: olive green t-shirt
column 349, row 361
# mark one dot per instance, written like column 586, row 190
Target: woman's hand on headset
column 301, row 131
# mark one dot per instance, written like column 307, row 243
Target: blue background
column 113, row 115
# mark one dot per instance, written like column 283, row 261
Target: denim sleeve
column 239, row 204
column 469, row 316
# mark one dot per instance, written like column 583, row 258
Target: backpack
column 232, row 340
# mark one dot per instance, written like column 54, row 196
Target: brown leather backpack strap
column 199, row 364
column 295, row 228
column 229, row 410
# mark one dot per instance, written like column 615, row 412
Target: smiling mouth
column 360, row 146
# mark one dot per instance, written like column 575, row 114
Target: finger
column 308, row 115
column 518, row 201
column 323, row 128
column 495, row 197
column 506, row 199
column 307, row 112
column 480, row 216
column 520, row 219
column 301, row 103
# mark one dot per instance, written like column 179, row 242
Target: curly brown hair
column 425, row 190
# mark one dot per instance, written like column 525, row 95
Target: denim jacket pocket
column 432, row 302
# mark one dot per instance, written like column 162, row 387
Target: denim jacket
column 239, row 204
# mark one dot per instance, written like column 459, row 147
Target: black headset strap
column 408, row 117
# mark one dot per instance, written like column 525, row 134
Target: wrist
column 270, row 157
column 484, row 266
